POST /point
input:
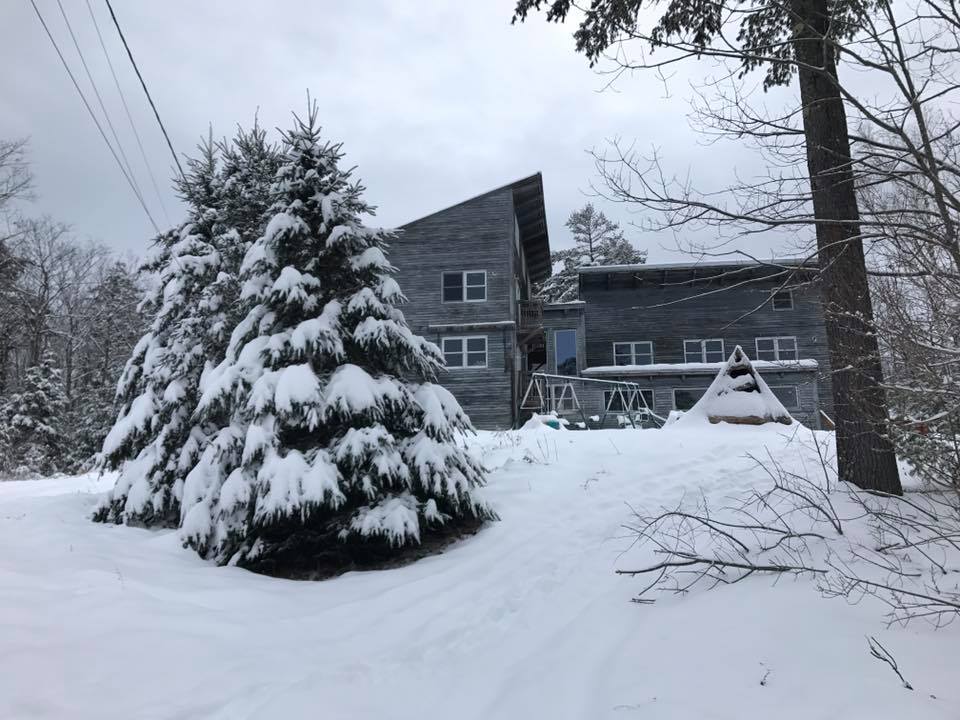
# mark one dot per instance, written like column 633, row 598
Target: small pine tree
column 340, row 450
column 597, row 241
column 32, row 421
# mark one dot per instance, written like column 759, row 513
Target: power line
column 126, row 109
column 143, row 84
column 103, row 107
column 92, row 114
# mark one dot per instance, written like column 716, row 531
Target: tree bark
column 865, row 454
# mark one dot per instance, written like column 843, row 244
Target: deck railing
column 529, row 315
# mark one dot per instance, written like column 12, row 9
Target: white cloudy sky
column 435, row 101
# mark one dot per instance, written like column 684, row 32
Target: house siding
column 474, row 235
column 620, row 308
column 485, row 393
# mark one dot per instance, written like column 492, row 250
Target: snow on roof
column 699, row 368
column 698, row 264
column 737, row 395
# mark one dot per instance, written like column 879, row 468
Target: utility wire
column 143, row 84
column 126, row 109
column 92, row 114
column 103, row 107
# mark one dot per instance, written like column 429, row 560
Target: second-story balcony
column 529, row 316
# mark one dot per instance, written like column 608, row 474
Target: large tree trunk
column 865, row 454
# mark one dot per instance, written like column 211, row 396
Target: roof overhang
column 743, row 265
column 532, row 221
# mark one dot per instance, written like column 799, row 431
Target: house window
column 705, row 351
column 787, row 395
column 565, row 351
column 783, row 300
column 561, row 397
column 465, row 352
column 466, row 286
column 686, row 398
column 615, row 400
column 777, row 349
column 633, row 353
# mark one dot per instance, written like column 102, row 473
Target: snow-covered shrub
column 338, row 448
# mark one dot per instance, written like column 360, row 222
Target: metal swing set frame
column 541, row 395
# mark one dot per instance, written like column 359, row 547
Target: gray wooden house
column 467, row 272
column 665, row 329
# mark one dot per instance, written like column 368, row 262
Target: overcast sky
column 434, row 100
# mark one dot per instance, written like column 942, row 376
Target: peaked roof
column 531, row 219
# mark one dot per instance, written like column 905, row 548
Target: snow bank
column 525, row 620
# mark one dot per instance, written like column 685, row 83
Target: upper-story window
column 777, row 348
column 633, row 353
column 465, row 286
column 706, row 351
column 783, row 300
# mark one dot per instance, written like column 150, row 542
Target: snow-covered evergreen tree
column 155, row 440
column 340, row 448
column 32, row 422
column 597, row 241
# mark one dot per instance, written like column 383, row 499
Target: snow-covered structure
column 738, row 395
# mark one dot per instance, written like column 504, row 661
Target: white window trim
column 626, row 393
column 703, row 348
column 773, row 303
column 796, row 392
column 673, row 395
column 463, row 286
column 464, row 338
column 776, row 347
column 633, row 350
column 576, row 354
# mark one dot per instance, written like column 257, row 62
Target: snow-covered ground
column 525, row 620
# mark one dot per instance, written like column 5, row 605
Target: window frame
column 703, row 349
column 796, row 393
column 633, row 351
column 773, row 300
column 465, row 352
column 463, row 286
column 649, row 406
column 776, row 348
column 673, row 395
